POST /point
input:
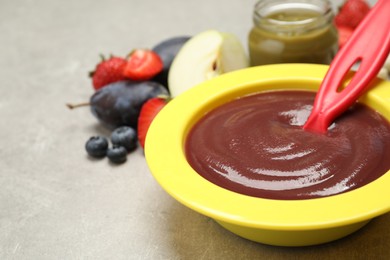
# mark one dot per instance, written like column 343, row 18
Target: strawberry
column 148, row 112
column 344, row 34
column 108, row 71
column 352, row 13
column 143, row 64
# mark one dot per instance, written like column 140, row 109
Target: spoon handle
column 369, row 45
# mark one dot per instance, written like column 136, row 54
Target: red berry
column 351, row 13
column 148, row 112
column 143, row 64
column 344, row 34
column 108, row 71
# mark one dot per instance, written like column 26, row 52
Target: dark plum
column 167, row 51
column 119, row 103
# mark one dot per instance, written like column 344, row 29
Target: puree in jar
column 255, row 145
column 292, row 32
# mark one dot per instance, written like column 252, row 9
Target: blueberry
column 117, row 154
column 125, row 136
column 97, row 146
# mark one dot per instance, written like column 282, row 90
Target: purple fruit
column 167, row 51
column 119, row 103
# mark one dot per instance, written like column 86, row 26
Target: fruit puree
column 255, row 145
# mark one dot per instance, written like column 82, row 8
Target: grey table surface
column 56, row 203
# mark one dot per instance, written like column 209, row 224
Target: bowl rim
column 166, row 137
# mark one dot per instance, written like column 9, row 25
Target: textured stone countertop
column 56, row 203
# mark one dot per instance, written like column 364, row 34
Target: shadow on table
column 195, row 236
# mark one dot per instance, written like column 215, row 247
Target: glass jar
column 292, row 31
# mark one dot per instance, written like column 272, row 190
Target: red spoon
column 369, row 45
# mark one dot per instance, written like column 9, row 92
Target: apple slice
column 205, row 56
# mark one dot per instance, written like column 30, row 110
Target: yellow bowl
column 274, row 222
